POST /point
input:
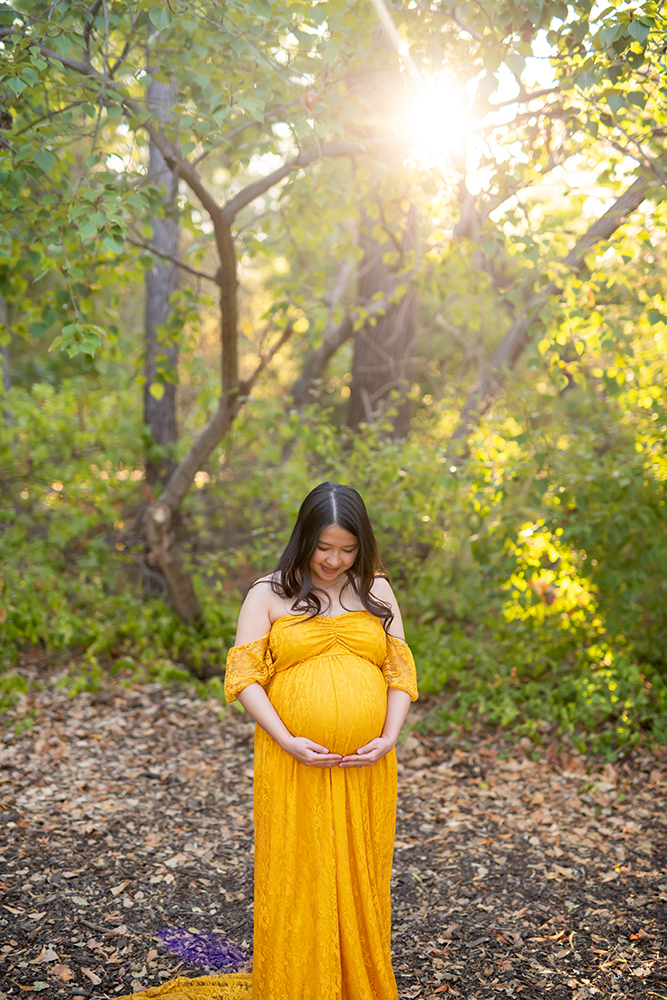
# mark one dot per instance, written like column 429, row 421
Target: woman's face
column 335, row 553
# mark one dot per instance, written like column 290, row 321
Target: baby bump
column 338, row 701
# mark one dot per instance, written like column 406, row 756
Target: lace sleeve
column 246, row 664
column 399, row 667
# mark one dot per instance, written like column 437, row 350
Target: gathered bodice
column 297, row 639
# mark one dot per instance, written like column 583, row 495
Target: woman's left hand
column 369, row 754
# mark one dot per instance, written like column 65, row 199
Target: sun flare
column 435, row 119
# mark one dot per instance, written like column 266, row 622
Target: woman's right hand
column 310, row 753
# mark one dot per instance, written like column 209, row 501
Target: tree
column 162, row 281
column 87, row 61
column 253, row 81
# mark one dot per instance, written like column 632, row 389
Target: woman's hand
column 369, row 754
column 310, row 753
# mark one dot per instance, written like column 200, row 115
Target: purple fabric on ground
column 211, row 951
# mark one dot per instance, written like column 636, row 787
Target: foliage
column 531, row 569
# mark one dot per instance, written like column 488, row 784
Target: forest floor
column 520, row 870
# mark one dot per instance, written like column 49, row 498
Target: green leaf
column 637, row 97
column 253, row 105
column 156, row 390
column 45, row 160
column 615, row 102
column 488, row 248
column 16, row 84
column 611, row 33
column 55, row 344
column 261, row 7
column 639, row 30
column 160, row 17
column 113, row 245
column 654, row 316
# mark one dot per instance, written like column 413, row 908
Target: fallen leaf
column 174, row 861
column 94, row 978
column 609, row 876
column 63, row 973
column 46, row 955
column 641, row 935
column 117, row 889
column 442, row 989
column 119, row 931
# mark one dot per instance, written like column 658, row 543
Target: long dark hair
column 330, row 504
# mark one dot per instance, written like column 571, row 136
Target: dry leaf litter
column 520, row 871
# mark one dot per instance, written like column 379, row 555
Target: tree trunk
column 161, row 365
column 383, row 348
column 4, row 348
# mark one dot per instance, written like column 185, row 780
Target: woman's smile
column 335, row 553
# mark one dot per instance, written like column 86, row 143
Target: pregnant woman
column 321, row 665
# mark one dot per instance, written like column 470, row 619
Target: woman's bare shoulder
column 258, row 611
column 382, row 589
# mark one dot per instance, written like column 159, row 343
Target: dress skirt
column 324, row 837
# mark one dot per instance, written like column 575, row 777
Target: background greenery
column 530, row 564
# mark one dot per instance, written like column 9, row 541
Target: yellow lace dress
column 324, row 838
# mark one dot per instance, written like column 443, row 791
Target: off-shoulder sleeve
column 246, row 664
column 399, row 667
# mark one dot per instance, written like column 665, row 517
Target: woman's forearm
column 398, row 703
column 256, row 703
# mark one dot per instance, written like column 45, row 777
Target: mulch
column 520, row 870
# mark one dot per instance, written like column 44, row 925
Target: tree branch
column 254, row 190
column 174, row 260
column 83, row 68
column 318, row 359
column 524, row 98
column 456, row 17
column 214, row 431
column 87, row 31
column 517, row 337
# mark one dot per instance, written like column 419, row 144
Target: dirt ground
column 520, row 870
